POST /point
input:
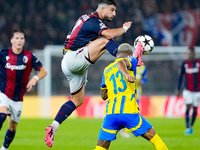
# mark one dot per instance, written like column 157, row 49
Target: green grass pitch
column 82, row 134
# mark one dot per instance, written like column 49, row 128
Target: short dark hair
column 108, row 2
column 18, row 30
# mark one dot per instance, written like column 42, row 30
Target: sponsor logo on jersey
column 192, row 70
column 13, row 67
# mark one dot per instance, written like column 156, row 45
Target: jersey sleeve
column 96, row 25
column 103, row 85
column 180, row 77
column 36, row 63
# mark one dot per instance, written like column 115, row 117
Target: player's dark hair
column 18, row 31
column 108, row 2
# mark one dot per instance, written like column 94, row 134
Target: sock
column 187, row 118
column 99, row 148
column 2, row 119
column 65, row 111
column 8, row 138
column 112, row 47
column 194, row 115
column 158, row 143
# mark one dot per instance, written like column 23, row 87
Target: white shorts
column 75, row 66
column 191, row 97
column 14, row 108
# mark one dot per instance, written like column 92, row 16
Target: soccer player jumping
column 121, row 110
column 83, row 46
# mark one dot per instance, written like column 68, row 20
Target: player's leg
column 141, row 127
column 195, row 106
column 64, row 112
column 188, row 100
column 187, row 116
column 194, row 115
column 74, row 66
column 4, row 104
column 102, row 145
column 10, row 133
column 3, row 115
column 99, row 46
column 109, row 129
column 14, row 112
column 153, row 137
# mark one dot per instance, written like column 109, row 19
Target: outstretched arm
column 42, row 73
column 113, row 33
column 123, row 65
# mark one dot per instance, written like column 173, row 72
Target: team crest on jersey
column 25, row 59
column 7, row 57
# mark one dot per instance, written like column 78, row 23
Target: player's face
column 109, row 12
column 18, row 41
column 191, row 55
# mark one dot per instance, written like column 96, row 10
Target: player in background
column 16, row 65
column 118, row 87
column 141, row 78
column 84, row 44
column 190, row 73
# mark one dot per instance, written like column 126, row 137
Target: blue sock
column 65, row 111
column 112, row 47
column 194, row 115
column 8, row 138
column 187, row 118
column 2, row 119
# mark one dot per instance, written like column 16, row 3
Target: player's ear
column 11, row 40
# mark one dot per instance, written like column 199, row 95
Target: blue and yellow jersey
column 121, row 93
column 141, row 74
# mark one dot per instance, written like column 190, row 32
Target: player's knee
column 78, row 101
column 12, row 128
column 104, row 41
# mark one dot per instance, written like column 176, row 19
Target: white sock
column 3, row 148
column 55, row 124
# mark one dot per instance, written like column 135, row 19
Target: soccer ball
column 147, row 43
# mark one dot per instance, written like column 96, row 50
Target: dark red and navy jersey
column 15, row 70
column 191, row 73
column 87, row 28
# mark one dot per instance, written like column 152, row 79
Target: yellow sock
column 158, row 143
column 99, row 148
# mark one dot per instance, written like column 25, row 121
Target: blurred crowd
column 49, row 21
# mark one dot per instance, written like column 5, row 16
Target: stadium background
column 170, row 23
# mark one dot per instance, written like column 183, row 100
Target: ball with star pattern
column 147, row 43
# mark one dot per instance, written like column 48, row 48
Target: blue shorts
column 115, row 122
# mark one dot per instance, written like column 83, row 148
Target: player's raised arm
column 113, row 33
column 123, row 65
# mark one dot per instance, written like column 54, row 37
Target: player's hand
column 130, row 78
column 31, row 84
column 127, row 24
